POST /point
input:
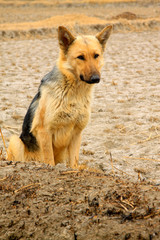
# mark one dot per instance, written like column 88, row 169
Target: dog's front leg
column 73, row 148
column 46, row 148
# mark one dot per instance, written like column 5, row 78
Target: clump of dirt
column 41, row 202
column 126, row 15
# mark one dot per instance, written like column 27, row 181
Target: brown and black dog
column 53, row 124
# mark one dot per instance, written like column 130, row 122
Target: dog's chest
column 72, row 114
column 67, row 121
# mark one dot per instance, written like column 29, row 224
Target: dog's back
column 26, row 136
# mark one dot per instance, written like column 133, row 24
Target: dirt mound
column 42, row 202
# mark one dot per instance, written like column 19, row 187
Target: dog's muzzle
column 94, row 79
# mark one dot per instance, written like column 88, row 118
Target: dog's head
column 82, row 56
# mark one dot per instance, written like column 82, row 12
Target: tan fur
column 64, row 107
column 18, row 152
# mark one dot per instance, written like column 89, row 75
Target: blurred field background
column 32, row 19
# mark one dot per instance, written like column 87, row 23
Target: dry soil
column 116, row 195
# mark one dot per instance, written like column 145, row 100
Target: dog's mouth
column 93, row 79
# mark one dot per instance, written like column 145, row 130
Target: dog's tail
column 16, row 149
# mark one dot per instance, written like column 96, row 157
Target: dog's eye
column 96, row 55
column 81, row 57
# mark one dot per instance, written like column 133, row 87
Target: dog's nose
column 95, row 78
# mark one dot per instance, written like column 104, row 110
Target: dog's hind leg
column 16, row 149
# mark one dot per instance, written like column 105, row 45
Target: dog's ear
column 104, row 35
column 65, row 38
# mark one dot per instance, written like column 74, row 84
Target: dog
column 57, row 115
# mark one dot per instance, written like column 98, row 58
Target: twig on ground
column 2, row 179
column 123, row 171
column 123, row 207
column 152, row 214
column 147, row 159
column 68, row 172
column 3, row 140
column 127, row 203
column 11, row 128
column 32, row 185
column 146, row 140
column 112, row 163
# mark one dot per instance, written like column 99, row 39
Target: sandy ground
column 120, row 147
column 125, row 110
